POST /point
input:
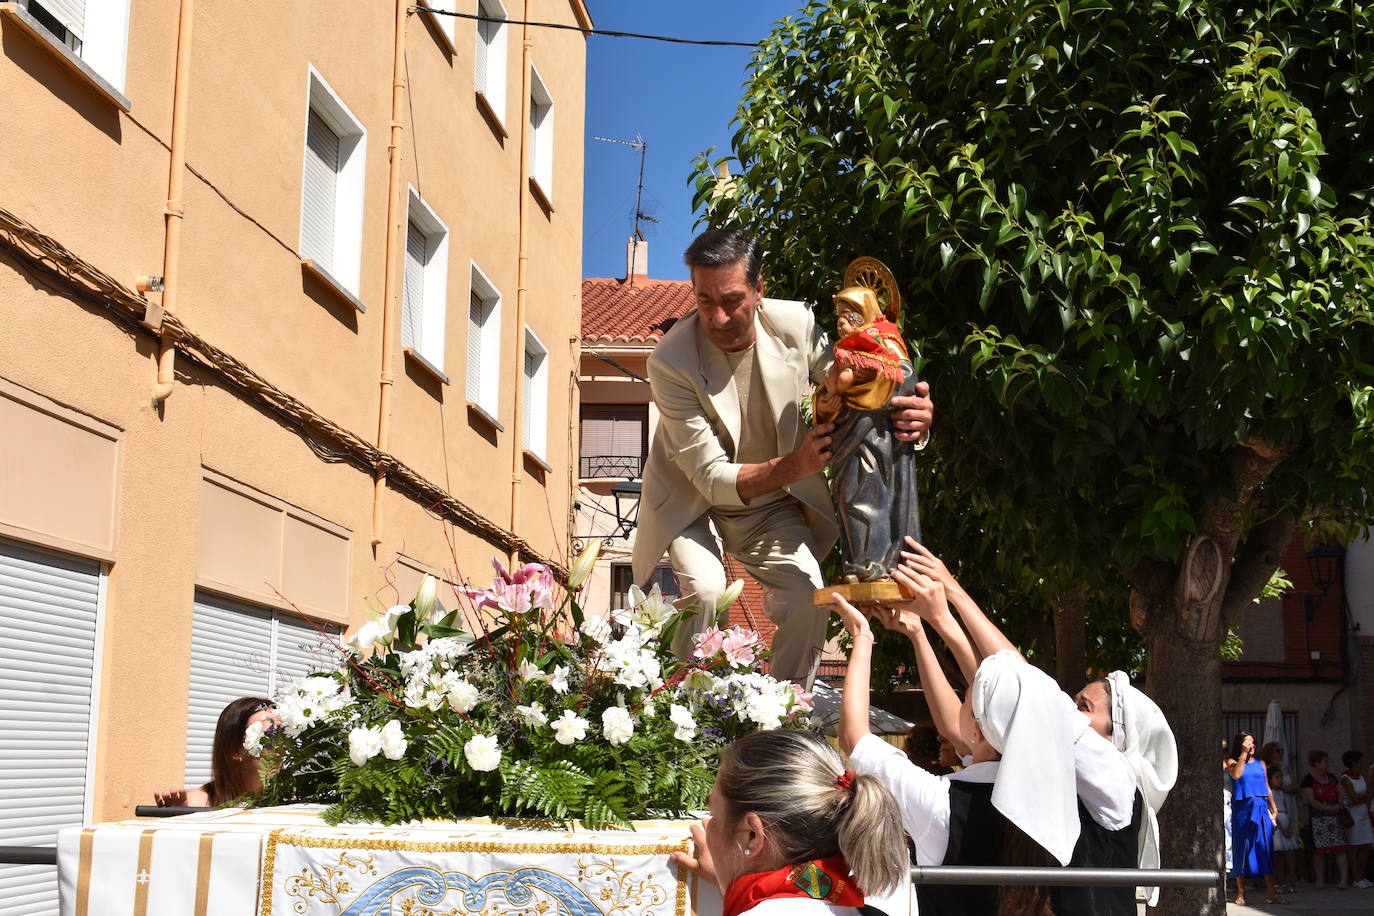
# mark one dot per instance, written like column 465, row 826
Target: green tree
column 1135, row 252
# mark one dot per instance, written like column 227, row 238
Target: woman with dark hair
column 794, row 831
column 1321, row 791
column 1252, row 818
column 1355, row 792
column 924, row 748
column 233, row 770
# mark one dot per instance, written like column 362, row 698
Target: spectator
column 1252, row 819
column 1282, row 788
column 924, row 747
column 1321, row 792
column 233, row 771
column 1355, row 791
column 790, row 824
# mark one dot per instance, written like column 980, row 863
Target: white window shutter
column 48, row 611
column 527, row 405
column 319, row 191
column 71, row 13
column 482, row 54
column 476, row 321
column 413, row 304
column 238, row 650
column 231, row 657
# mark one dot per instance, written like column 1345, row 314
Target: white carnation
column 597, row 629
column 681, row 716
column 482, row 753
column 617, row 725
column 252, row 738
column 394, row 743
column 462, row 696
column 364, row 744
column 569, row 727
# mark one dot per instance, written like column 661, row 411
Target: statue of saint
column 873, row 475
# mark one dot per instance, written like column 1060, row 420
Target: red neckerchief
column 871, row 347
column 820, row 879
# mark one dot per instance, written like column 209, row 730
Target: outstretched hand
column 919, row 559
column 699, row 864
column 172, row 798
column 854, row 620
column 927, row 593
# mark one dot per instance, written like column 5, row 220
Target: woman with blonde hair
column 793, row 830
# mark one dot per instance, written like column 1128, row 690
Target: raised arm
column 857, row 675
column 987, row 638
column 906, row 617
column 1236, row 766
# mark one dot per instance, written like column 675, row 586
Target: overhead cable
column 577, row 28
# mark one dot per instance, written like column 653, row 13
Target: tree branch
column 1256, row 562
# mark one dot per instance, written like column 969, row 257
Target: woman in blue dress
column 1252, row 818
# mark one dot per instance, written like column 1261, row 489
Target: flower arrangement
column 545, row 713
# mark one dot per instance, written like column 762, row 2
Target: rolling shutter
column 48, row 611
column 319, row 191
column 484, row 34
column 476, row 321
column 412, row 306
column 527, row 407
column 71, row 13
column 241, row 651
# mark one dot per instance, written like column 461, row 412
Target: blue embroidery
column 432, row 886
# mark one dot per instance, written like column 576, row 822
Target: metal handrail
column 28, row 855
column 165, row 810
column 1065, row 877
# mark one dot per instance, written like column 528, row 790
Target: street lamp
column 628, row 515
column 1324, row 566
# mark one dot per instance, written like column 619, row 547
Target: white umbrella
column 826, row 715
column 1273, row 728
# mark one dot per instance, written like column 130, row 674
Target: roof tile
column 613, row 311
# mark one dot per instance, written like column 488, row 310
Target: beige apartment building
column 290, row 304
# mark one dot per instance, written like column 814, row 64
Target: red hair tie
column 845, row 780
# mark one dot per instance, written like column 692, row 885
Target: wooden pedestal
column 861, row 592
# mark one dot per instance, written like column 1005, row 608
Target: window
column 95, row 34
column 490, row 74
column 622, row 578
column 615, row 438
column 447, row 25
column 50, row 659
column 238, row 650
column 484, row 344
column 332, row 187
column 424, row 307
column 541, row 135
column 534, row 413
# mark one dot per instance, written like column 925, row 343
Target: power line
column 577, row 28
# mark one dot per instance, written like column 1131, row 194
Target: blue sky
column 681, row 98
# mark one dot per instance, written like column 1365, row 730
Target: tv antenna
column 636, row 144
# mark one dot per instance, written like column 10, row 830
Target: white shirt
column 922, row 797
column 1105, row 781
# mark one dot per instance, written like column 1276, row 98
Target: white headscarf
column 1141, row 732
column 1024, row 715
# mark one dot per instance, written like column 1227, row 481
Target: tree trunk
column 1184, row 678
column 1070, row 639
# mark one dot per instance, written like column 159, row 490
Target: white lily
column 730, row 595
column 424, row 597
column 583, row 565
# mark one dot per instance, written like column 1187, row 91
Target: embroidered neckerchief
column 820, row 879
column 877, row 345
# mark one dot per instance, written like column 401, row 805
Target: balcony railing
column 619, row 467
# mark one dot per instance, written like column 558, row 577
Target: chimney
column 637, row 259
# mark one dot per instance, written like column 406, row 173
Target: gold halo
column 873, row 274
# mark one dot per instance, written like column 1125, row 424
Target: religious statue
column 873, row 475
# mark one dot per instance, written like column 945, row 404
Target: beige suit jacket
column 690, row 468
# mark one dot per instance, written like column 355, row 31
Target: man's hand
column 913, row 415
column 811, row 456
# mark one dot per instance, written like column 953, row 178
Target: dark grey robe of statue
column 873, row 480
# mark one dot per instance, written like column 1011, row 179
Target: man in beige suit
column 732, row 465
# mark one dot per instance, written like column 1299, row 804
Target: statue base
column 861, row 592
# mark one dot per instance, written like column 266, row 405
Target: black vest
column 1099, row 847
column 975, row 838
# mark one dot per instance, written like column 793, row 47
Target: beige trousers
column 772, row 542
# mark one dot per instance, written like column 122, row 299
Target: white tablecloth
column 286, row 861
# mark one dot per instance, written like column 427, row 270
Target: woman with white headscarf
column 1018, row 794
column 1137, row 728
